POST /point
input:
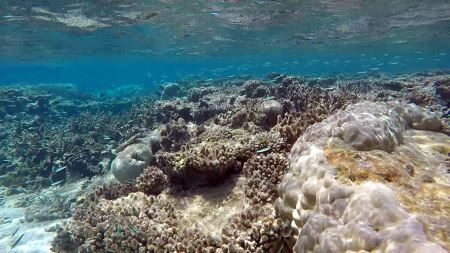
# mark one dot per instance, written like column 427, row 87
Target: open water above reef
column 224, row 126
column 100, row 44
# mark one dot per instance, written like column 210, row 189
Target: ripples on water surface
column 226, row 132
column 114, row 42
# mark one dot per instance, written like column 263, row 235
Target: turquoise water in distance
column 97, row 46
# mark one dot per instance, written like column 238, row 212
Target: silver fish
column 263, row 150
column 58, row 182
column 60, row 169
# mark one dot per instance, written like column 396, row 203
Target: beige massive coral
column 352, row 178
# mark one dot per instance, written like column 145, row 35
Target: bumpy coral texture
column 328, row 216
column 264, row 173
column 140, row 223
column 152, row 181
column 216, row 152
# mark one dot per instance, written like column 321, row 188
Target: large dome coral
column 349, row 194
column 130, row 162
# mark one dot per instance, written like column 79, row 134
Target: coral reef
column 255, row 89
column 174, row 135
column 203, row 165
column 137, row 222
column 50, row 144
column 214, row 153
column 443, row 89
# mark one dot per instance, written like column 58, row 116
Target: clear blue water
column 100, row 44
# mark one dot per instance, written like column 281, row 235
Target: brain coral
column 327, row 215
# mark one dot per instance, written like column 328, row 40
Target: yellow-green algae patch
column 417, row 171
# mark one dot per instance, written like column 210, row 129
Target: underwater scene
column 224, row 126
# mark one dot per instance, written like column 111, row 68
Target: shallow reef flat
column 279, row 164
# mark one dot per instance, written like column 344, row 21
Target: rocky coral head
column 171, row 90
column 130, row 163
column 418, row 117
column 271, row 109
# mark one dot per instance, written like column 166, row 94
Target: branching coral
column 213, row 155
column 152, row 181
column 255, row 230
column 443, row 89
column 263, row 174
column 174, row 135
column 143, row 223
column 255, row 89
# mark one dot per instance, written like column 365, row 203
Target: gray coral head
column 171, row 90
column 271, row 109
column 130, row 163
column 418, row 117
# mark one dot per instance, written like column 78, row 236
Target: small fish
column 263, row 150
column 136, row 230
column 15, row 231
column 17, row 241
column 60, row 169
column 118, row 230
column 57, row 182
column 269, row 98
